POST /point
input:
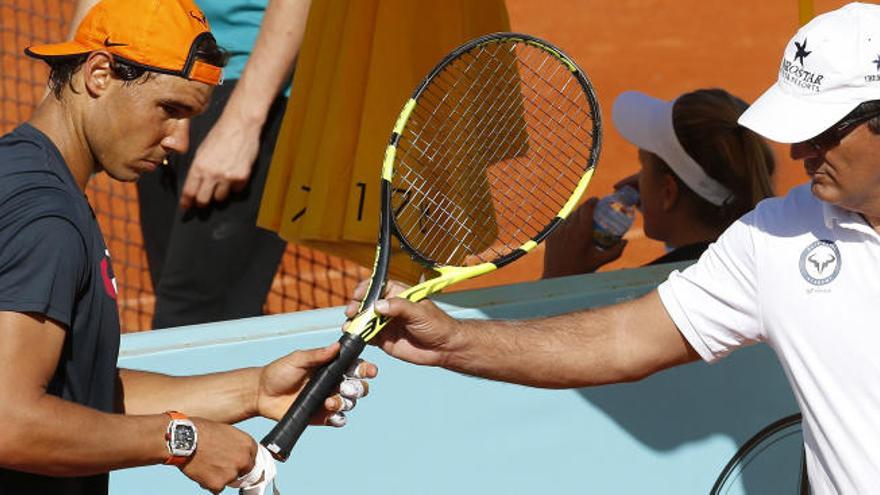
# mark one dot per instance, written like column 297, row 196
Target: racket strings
column 455, row 225
column 447, row 92
column 511, row 105
column 557, row 69
column 502, row 135
column 521, row 221
column 457, row 133
column 454, row 135
column 495, row 146
column 505, row 134
column 494, row 142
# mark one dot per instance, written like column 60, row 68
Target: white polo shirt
column 804, row 277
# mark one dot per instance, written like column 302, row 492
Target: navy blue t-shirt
column 53, row 261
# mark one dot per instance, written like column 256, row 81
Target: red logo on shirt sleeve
column 107, row 276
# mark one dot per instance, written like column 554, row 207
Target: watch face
column 184, row 437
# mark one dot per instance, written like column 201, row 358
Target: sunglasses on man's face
column 832, row 136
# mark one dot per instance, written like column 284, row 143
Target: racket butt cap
column 275, row 450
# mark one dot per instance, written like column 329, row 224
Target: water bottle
column 613, row 216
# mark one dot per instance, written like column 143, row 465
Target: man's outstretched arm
column 619, row 343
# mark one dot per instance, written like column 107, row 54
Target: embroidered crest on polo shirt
column 820, row 262
column 794, row 72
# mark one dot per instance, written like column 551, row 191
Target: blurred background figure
column 700, row 171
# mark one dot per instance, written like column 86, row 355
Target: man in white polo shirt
column 799, row 273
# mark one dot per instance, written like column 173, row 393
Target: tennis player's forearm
column 270, row 63
column 226, row 397
column 54, row 437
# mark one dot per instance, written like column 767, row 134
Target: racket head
column 774, row 455
column 491, row 153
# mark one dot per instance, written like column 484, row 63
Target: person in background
column 208, row 260
column 120, row 101
column 700, row 171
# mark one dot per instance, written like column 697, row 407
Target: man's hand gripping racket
column 493, row 151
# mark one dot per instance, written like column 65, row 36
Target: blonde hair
column 705, row 123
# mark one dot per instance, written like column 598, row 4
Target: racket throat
column 366, row 324
column 448, row 275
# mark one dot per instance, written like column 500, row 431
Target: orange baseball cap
column 158, row 35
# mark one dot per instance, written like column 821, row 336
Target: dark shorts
column 211, row 263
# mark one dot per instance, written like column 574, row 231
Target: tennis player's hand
column 571, row 250
column 283, row 379
column 222, row 163
column 224, row 453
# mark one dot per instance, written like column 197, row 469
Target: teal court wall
column 431, row 431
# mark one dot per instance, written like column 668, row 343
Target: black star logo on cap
column 802, row 52
column 877, row 61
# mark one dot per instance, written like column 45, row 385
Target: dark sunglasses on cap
column 832, row 136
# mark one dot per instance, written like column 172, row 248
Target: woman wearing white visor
column 700, row 171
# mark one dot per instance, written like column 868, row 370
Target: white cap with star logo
column 829, row 67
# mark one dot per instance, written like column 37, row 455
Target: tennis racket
column 768, row 455
column 493, row 150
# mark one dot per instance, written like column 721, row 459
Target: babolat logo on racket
column 820, row 262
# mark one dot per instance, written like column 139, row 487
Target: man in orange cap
column 122, row 96
column 208, row 260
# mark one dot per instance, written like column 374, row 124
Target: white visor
column 646, row 122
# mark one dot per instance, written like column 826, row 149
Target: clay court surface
column 661, row 47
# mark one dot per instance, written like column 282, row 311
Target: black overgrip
column 283, row 437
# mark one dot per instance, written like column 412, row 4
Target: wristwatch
column 182, row 438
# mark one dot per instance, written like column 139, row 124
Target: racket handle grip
column 283, row 437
